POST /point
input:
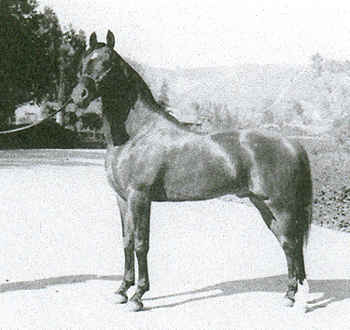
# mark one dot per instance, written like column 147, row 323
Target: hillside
column 241, row 85
column 245, row 87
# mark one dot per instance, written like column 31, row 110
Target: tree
column 216, row 116
column 45, row 64
column 29, row 53
column 14, row 21
column 71, row 50
column 317, row 63
column 91, row 120
column 37, row 60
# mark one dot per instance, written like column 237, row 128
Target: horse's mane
column 147, row 95
column 141, row 86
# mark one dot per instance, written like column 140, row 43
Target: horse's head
column 95, row 68
column 103, row 73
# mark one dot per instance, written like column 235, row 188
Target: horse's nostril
column 84, row 93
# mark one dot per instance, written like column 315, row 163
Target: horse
column 152, row 156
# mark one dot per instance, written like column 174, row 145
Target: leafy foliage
column 71, row 50
column 331, row 180
column 215, row 116
column 91, row 120
column 30, row 54
column 29, row 42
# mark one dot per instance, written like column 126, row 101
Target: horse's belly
column 200, row 185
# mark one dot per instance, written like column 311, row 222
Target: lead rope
column 37, row 123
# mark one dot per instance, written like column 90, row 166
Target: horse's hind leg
column 301, row 295
column 284, row 226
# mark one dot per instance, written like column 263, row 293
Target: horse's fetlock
column 143, row 285
column 126, row 285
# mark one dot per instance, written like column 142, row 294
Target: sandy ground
column 213, row 264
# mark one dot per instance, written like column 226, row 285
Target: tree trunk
column 61, row 96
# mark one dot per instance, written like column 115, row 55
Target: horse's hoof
column 287, row 302
column 300, row 307
column 134, row 305
column 121, row 298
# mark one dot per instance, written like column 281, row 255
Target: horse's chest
column 133, row 168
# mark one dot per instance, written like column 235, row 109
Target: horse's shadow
column 330, row 290
column 53, row 281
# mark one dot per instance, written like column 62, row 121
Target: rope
column 37, row 123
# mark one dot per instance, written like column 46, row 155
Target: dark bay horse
column 151, row 156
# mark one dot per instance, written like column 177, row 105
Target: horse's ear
column 110, row 39
column 93, row 40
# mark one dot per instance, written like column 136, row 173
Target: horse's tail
column 304, row 195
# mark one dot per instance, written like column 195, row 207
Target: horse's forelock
column 97, row 46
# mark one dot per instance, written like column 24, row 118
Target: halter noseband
column 90, row 81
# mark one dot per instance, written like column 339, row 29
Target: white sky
column 194, row 33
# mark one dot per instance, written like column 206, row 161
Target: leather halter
column 90, row 81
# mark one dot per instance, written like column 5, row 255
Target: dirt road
column 213, row 264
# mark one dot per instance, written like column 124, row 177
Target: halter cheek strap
column 93, row 83
column 89, row 82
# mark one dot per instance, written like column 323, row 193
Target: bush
column 46, row 135
column 216, row 117
column 331, row 180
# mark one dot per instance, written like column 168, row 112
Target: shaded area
column 63, row 157
column 45, row 135
column 332, row 290
column 53, row 281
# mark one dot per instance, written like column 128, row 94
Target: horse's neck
column 124, row 119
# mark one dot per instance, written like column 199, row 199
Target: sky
column 193, row 33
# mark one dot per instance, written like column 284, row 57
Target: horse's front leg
column 129, row 256
column 141, row 240
column 136, row 238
